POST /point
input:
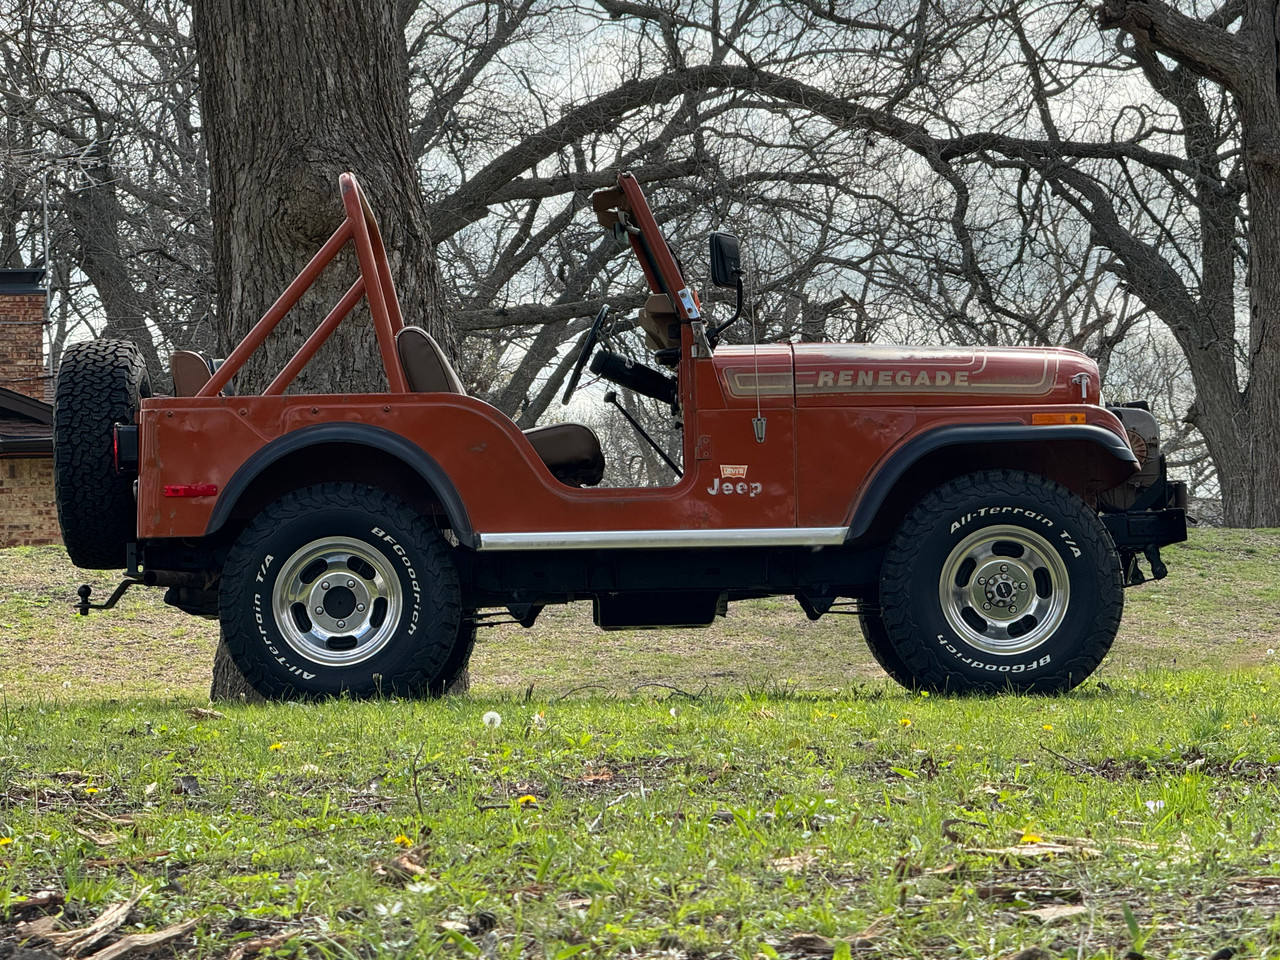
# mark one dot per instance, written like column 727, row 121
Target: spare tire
column 100, row 384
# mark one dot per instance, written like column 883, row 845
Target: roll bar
column 374, row 282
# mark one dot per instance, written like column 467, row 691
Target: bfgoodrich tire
column 882, row 648
column 342, row 588
column 1000, row 580
column 100, row 384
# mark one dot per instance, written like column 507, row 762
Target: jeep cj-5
column 979, row 509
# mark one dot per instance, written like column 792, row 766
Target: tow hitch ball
column 84, row 590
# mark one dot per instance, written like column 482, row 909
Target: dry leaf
column 204, row 713
column 74, row 942
column 106, row 817
column 101, row 839
column 573, row 903
column 1038, row 850
column 1056, row 912
column 403, row 869
column 799, row 863
column 597, row 775
column 255, row 946
column 37, row 929
column 142, row 941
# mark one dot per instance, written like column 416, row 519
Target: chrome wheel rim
column 337, row 601
column 1004, row 590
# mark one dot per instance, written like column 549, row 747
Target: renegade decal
column 867, row 379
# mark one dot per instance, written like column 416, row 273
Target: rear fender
column 341, row 451
column 1085, row 458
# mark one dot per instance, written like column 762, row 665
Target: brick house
column 27, row 511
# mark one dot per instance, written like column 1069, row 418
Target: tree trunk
column 293, row 93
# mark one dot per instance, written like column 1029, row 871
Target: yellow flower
column 90, row 789
column 527, row 799
column 1029, row 837
column 276, row 746
column 1047, row 726
column 905, row 722
column 4, row 840
column 404, row 841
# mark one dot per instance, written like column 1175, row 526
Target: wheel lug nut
column 342, row 623
column 1013, row 609
column 360, row 607
column 986, row 606
column 1004, row 568
column 324, row 585
column 319, row 609
column 1022, row 585
column 351, row 583
column 982, row 580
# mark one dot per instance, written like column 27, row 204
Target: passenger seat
column 571, row 451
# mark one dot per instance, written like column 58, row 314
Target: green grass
column 801, row 806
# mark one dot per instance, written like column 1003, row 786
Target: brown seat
column 571, row 451
column 191, row 371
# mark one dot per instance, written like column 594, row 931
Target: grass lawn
column 757, row 789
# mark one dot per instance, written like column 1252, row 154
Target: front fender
column 974, row 447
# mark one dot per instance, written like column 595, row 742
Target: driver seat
column 571, row 451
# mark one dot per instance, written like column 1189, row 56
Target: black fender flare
column 377, row 438
column 908, row 454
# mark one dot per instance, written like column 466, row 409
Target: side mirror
column 725, row 268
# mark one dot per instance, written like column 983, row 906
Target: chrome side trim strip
column 654, row 539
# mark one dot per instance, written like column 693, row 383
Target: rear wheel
column 1000, row 580
column 342, row 588
column 100, row 384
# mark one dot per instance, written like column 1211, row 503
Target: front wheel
column 342, row 588
column 1000, row 580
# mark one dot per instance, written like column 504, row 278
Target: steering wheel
column 588, row 346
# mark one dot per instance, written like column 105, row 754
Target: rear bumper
column 1142, row 529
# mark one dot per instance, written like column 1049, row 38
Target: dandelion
column 540, row 720
column 1029, row 837
column 403, row 841
column 1046, row 726
column 276, row 746
column 66, row 684
column 528, row 800
column 91, row 790
column 1271, row 651
column 492, row 719
column 4, row 840
column 905, row 721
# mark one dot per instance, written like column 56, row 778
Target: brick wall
column 27, row 512
column 22, row 332
column 28, row 515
